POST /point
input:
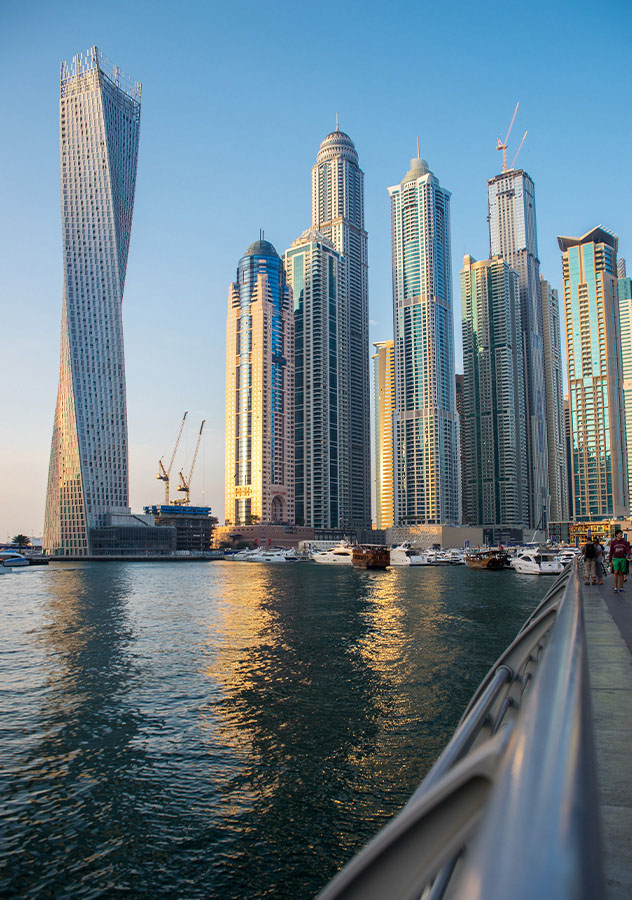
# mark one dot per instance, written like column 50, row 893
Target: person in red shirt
column 618, row 558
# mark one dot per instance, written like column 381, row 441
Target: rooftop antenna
column 503, row 145
column 518, row 150
column 418, row 154
column 337, row 125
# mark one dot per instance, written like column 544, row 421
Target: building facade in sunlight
column 599, row 473
column 338, row 212
column 427, row 482
column 259, row 457
column 625, row 318
column 312, row 266
column 384, row 407
column 99, row 117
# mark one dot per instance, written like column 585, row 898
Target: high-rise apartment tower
column 512, row 235
column 259, row 458
column 495, row 482
column 338, row 212
column 427, row 484
column 624, row 285
column 384, row 407
column 312, row 266
column 554, row 384
column 99, row 119
column 595, row 378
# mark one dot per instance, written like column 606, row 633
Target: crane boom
column 185, row 483
column 502, row 145
column 519, row 149
column 163, row 474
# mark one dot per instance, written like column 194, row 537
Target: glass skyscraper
column 553, row 380
column 99, row 117
column 312, row 266
column 512, row 235
column 595, row 376
column 427, row 484
column 338, row 212
column 495, row 483
column 624, row 286
column 259, row 457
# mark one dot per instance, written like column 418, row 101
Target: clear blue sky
column 236, row 99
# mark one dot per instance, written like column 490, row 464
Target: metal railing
column 510, row 809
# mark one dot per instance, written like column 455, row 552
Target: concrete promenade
column 609, row 636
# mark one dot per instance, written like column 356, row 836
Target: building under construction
column 193, row 524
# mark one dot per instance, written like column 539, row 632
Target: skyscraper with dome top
column 338, row 214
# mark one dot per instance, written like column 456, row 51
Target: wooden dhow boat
column 487, row 559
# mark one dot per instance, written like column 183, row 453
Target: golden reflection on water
column 263, row 720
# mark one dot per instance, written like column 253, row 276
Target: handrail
column 516, row 785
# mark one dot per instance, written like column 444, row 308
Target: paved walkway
column 609, row 636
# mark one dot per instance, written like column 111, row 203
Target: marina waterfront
column 227, row 730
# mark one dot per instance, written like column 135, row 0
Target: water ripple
column 226, row 730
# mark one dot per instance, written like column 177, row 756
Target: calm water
column 226, row 730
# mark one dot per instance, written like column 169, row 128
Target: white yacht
column 407, row 555
column 340, row 555
column 537, row 562
column 10, row 558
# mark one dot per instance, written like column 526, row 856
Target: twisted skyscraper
column 88, row 479
column 338, row 213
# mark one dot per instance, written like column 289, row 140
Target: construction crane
column 502, row 145
column 518, row 150
column 185, row 483
column 163, row 474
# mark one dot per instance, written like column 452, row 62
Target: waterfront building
column 259, row 458
column 553, row 381
column 88, row 478
column 460, row 411
column 495, row 479
column 312, row 270
column 595, row 377
column 338, row 212
column 193, row 525
column 384, row 406
column 426, row 478
column 513, row 236
column 624, row 292
column 569, row 468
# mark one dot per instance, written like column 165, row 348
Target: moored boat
column 487, row 559
column 537, row 562
column 341, row 554
column 370, row 557
column 407, row 555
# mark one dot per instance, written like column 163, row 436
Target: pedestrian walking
column 590, row 568
column 619, row 556
column 600, row 555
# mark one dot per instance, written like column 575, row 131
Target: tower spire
column 337, row 124
column 418, row 153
